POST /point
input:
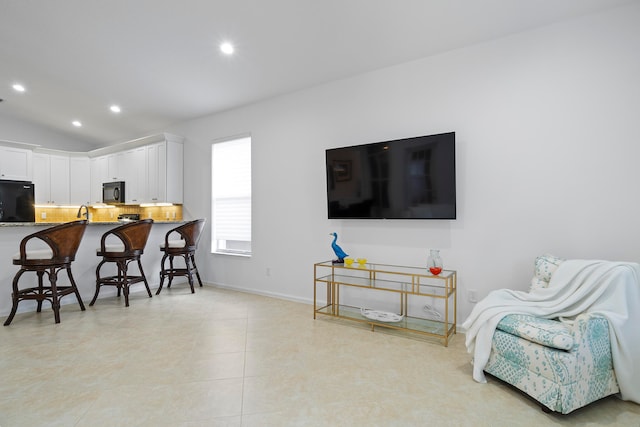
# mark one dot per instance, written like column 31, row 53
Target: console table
column 404, row 293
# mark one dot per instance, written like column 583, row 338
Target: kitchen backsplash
column 63, row 214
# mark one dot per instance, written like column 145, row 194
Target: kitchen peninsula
column 65, row 182
column 83, row 267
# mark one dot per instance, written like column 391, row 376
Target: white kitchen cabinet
column 79, row 180
column 156, row 155
column 99, row 174
column 60, row 180
column 116, row 170
column 174, row 172
column 41, row 174
column 135, row 175
column 165, row 162
column 151, row 167
column 16, row 164
column 51, row 178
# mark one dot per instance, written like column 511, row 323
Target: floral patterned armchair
column 562, row 366
column 569, row 341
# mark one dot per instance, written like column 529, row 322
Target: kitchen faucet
column 85, row 214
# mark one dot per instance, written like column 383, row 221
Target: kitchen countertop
column 50, row 224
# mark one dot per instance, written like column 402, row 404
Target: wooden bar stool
column 62, row 244
column 123, row 245
column 182, row 241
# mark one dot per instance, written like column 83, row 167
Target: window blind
column 231, row 190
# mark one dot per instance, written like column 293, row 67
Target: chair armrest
column 546, row 332
column 23, row 245
column 591, row 331
column 166, row 237
column 107, row 247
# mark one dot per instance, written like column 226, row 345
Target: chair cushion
column 546, row 332
column 115, row 247
column 36, row 254
column 175, row 244
column 545, row 266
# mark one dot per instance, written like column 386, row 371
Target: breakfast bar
column 84, row 266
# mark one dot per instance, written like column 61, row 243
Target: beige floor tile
column 225, row 358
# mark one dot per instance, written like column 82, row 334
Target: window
column 231, row 196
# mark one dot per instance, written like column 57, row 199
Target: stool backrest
column 190, row 233
column 63, row 239
column 133, row 235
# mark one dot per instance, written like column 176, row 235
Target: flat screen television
column 410, row 178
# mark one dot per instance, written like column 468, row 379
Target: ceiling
column 160, row 61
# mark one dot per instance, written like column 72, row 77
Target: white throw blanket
column 611, row 289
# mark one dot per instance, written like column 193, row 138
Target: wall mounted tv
column 411, row 178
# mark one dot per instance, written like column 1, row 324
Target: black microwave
column 113, row 192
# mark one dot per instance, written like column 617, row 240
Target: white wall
column 547, row 145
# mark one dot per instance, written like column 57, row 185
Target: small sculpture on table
column 338, row 250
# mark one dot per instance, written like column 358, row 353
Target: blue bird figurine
column 337, row 249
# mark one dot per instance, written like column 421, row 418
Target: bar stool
column 185, row 246
column 62, row 244
column 123, row 245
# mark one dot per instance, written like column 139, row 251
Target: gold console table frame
column 403, row 281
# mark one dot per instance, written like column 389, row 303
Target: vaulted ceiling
column 160, row 61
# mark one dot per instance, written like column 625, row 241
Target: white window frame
column 231, row 196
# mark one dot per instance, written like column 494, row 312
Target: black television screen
column 411, row 178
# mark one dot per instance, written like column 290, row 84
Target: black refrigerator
column 17, row 201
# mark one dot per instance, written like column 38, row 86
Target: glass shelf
column 404, row 287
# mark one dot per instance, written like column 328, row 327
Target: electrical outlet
column 43, row 215
column 268, row 272
column 472, row 294
column 167, row 215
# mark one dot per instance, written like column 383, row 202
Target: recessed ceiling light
column 226, row 48
column 18, row 87
column 76, row 123
column 115, row 108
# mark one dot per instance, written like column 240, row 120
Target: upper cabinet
column 99, row 171
column 16, row 164
column 135, row 175
column 106, row 168
column 152, row 169
column 79, row 180
column 165, row 162
column 116, row 168
column 51, row 178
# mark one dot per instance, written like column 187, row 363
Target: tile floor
column 224, row 358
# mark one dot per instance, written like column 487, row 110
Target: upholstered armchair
column 570, row 340
column 564, row 367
